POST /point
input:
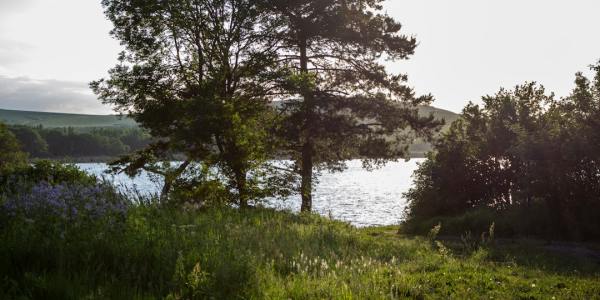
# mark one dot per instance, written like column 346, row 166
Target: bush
column 524, row 160
column 24, row 178
column 66, row 203
column 53, row 217
column 54, row 195
column 199, row 188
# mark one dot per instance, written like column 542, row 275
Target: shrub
column 66, row 203
column 523, row 159
column 24, row 178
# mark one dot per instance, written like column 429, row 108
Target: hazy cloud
column 13, row 52
column 12, row 6
column 63, row 40
column 23, row 93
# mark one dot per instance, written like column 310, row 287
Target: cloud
column 23, row 93
column 13, row 52
column 11, row 6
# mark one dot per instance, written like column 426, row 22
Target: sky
column 51, row 50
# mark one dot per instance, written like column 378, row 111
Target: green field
column 53, row 120
column 264, row 254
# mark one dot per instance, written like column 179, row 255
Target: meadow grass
column 225, row 253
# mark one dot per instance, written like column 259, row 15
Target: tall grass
column 224, row 253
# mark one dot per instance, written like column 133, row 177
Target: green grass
column 264, row 254
column 59, row 120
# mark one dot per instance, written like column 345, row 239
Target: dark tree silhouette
column 523, row 159
column 31, row 140
column 340, row 102
column 195, row 73
column 10, row 150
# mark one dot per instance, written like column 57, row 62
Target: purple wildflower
column 66, row 202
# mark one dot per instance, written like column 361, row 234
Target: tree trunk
column 169, row 177
column 307, row 148
column 307, row 172
column 240, row 181
column 164, row 193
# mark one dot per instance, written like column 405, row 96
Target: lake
column 357, row 196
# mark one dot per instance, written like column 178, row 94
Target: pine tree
column 339, row 101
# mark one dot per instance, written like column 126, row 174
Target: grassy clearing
column 263, row 254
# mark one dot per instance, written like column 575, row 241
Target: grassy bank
column 263, row 254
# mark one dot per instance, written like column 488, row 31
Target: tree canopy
column 339, row 100
column 10, row 150
column 233, row 83
column 531, row 159
column 195, row 73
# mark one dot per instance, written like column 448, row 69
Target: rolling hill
column 53, row 120
column 439, row 113
column 86, row 122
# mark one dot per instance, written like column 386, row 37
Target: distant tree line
column 40, row 142
column 11, row 155
column 524, row 160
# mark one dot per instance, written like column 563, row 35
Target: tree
column 31, row 140
column 339, row 102
column 195, row 74
column 11, row 155
column 528, row 159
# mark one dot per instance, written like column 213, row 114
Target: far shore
column 108, row 159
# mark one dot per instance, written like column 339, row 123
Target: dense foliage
column 65, row 235
column 525, row 160
column 197, row 75
column 10, row 150
column 339, row 101
column 20, row 180
column 232, row 83
column 56, row 143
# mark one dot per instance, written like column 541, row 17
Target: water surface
column 357, row 196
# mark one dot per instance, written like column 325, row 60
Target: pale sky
column 50, row 50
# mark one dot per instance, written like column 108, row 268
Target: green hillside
column 419, row 148
column 52, row 120
column 84, row 123
column 439, row 113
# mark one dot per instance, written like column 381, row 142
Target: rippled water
column 357, row 196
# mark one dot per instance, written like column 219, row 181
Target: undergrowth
column 224, row 253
